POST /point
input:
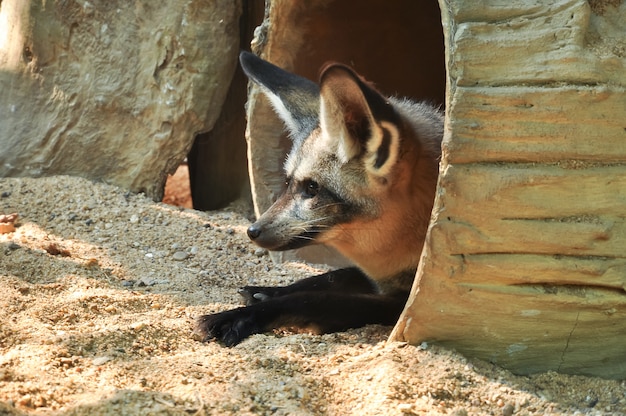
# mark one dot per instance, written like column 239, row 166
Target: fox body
column 361, row 177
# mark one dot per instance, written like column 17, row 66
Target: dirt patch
column 99, row 289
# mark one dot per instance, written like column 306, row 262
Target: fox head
column 361, row 173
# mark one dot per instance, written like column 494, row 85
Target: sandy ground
column 99, row 289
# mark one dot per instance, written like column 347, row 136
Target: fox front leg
column 321, row 312
column 348, row 280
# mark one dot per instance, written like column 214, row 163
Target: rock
column 137, row 326
column 180, row 255
column 146, row 281
column 25, row 401
column 13, row 246
column 112, row 92
column 459, row 411
column 508, row 409
column 101, row 360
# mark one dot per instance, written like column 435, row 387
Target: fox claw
column 255, row 294
column 261, row 296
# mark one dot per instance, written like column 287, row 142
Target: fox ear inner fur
column 359, row 119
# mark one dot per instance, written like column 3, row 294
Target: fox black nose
column 254, row 232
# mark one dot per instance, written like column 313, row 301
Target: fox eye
column 311, row 188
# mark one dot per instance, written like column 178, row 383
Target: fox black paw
column 229, row 328
column 256, row 294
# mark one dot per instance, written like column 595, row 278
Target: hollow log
column 525, row 263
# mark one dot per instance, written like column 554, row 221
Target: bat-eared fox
column 361, row 177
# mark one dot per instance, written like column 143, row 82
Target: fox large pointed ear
column 294, row 98
column 359, row 119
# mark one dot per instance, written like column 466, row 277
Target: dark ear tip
column 247, row 58
column 245, row 55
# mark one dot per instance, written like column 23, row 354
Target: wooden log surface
column 535, row 269
column 528, row 328
column 525, row 260
column 530, row 42
column 528, row 124
column 544, row 191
